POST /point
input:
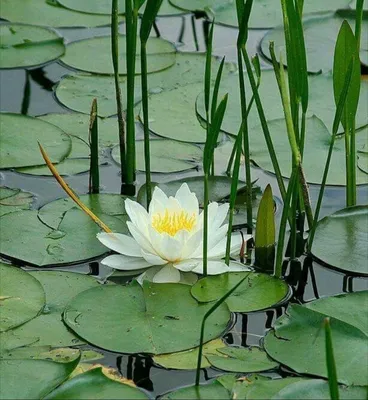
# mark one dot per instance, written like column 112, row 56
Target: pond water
column 248, row 329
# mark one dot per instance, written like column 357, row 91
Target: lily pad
column 42, row 353
column 19, row 139
column 257, row 292
column 73, row 241
column 199, row 5
column 77, row 91
column 268, row 13
column 28, row 46
column 81, row 55
column 188, row 359
column 37, row 377
column 315, row 152
column 9, row 341
column 51, row 214
column 69, row 166
column 341, row 240
column 135, row 319
column 167, row 156
column 48, row 328
column 21, row 297
column 92, row 7
column 48, row 13
column 320, row 35
column 95, row 385
column 241, row 359
column 211, row 391
column 299, row 330
column 12, row 200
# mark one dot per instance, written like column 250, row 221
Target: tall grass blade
column 345, row 50
column 70, row 192
column 335, row 128
column 358, row 21
column 265, row 236
column 148, row 19
column 94, row 172
column 330, row 361
column 208, row 313
column 26, row 94
column 119, row 106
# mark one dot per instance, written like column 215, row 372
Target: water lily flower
column 171, row 234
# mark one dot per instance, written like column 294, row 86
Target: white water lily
column 171, row 234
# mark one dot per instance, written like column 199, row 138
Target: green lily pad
column 19, row 139
column 315, row 152
column 257, row 292
column 188, row 359
column 21, row 297
column 81, row 55
column 363, row 162
column 211, row 391
column 300, row 330
column 73, row 241
column 320, row 35
column 199, row 5
column 268, row 13
column 48, row 328
column 28, row 46
column 167, row 156
column 37, row 377
column 67, row 167
column 42, row 353
column 240, row 359
column 172, row 114
column 51, row 214
column 341, row 240
column 12, row 200
column 95, row 385
column 9, row 341
column 167, row 10
column 48, row 13
column 92, row 7
column 77, row 91
column 135, row 319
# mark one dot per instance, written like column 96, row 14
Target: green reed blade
column 94, row 172
column 26, row 94
column 216, row 89
column 115, row 63
column 148, row 19
column 358, row 21
column 330, row 362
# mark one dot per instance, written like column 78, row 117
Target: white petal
column 192, row 244
column 187, row 199
column 187, row 265
column 214, row 267
column 158, row 202
column 153, row 259
column 170, row 247
column 221, row 214
column 119, row 261
column 142, row 240
column 235, row 266
column 214, row 237
column 137, row 214
column 167, row 274
column 173, row 206
column 219, row 250
column 120, row 243
column 212, row 212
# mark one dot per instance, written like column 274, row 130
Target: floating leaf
column 82, row 55
column 9, row 341
column 14, row 200
column 320, row 35
column 213, row 390
column 341, row 240
column 95, row 385
column 166, row 156
column 132, row 319
column 73, row 241
column 48, row 13
column 299, row 331
column 21, row 297
column 240, row 359
column 19, row 136
column 48, row 328
column 188, row 359
column 258, row 292
column 315, row 152
column 37, row 377
column 28, row 46
column 92, row 7
column 69, row 166
column 62, row 355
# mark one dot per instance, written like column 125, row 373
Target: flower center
column 174, row 222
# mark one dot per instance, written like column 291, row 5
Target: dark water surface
column 248, row 329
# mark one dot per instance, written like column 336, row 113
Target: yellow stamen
column 173, row 222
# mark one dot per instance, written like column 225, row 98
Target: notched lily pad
column 28, row 46
column 21, row 297
column 135, row 319
column 341, row 240
column 12, row 200
column 257, row 292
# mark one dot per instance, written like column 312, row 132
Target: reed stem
column 330, row 362
column 94, row 172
